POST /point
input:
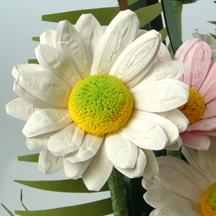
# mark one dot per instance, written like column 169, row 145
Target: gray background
column 20, row 20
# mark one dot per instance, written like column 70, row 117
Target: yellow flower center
column 208, row 201
column 194, row 109
column 100, row 104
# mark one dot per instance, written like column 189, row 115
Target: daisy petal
column 210, row 110
column 163, row 70
column 163, row 54
column 204, row 125
column 151, row 168
column 39, row 143
column 98, row 171
column 87, row 150
column 160, row 96
column 145, row 134
column 20, row 109
column 90, row 29
column 45, row 121
column 54, row 60
column 118, row 35
column 169, row 127
column 176, row 146
column 66, row 140
column 70, row 42
column 75, row 170
column 196, row 140
column 25, row 68
column 177, row 117
column 48, row 38
column 120, row 151
column 45, row 86
column 136, row 60
column 48, row 163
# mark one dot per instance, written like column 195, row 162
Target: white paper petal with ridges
column 160, row 96
column 163, row 70
column 39, row 143
column 151, row 168
column 90, row 29
column 136, row 60
column 46, row 86
column 98, row 171
column 20, row 109
column 120, row 151
column 145, row 134
column 75, row 170
column 176, row 146
column 48, row 163
column 72, row 44
column 118, row 35
column 138, row 170
column 45, row 121
column 48, row 38
column 177, row 117
column 169, row 127
column 25, row 95
column 66, row 140
column 87, row 150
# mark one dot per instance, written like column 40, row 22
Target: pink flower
column 200, row 75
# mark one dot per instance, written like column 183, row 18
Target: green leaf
column 21, row 200
column 36, row 39
column 147, row 14
column 8, row 211
column 171, row 24
column 213, row 36
column 103, row 15
column 33, row 61
column 163, row 33
column 213, row 22
column 29, row 158
column 98, row 208
column 130, row 2
column 65, row 185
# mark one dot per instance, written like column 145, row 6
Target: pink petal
column 163, row 54
column 210, row 133
column 203, row 125
column 210, row 110
column 196, row 140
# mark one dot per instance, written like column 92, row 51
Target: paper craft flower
column 181, row 188
column 201, row 77
column 90, row 102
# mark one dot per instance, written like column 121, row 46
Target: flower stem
column 177, row 154
column 177, row 6
column 116, row 186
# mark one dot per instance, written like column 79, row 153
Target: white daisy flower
column 90, row 104
column 184, row 189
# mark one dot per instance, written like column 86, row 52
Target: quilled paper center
column 208, row 202
column 100, row 104
column 194, row 109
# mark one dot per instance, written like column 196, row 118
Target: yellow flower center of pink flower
column 100, row 104
column 208, row 201
column 194, row 109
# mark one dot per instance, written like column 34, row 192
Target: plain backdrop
column 20, row 20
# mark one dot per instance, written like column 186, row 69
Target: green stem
column 116, row 186
column 177, row 154
column 177, row 6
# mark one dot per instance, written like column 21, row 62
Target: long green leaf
column 36, row 39
column 6, row 209
column 103, row 15
column 33, row 61
column 212, row 22
column 66, row 185
column 163, row 33
column 29, row 158
column 98, row 208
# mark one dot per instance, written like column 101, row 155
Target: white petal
column 160, row 96
column 87, row 150
column 72, row 44
column 39, row 143
column 49, row 163
column 98, row 171
column 145, row 134
column 49, row 38
column 45, row 121
column 20, row 109
column 136, row 60
column 28, row 97
column 120, row 151
column 176, row 146
column 118, row 35
column 138, row 170
column 90, row 29
column 177, row 117
column 163, row 70
column 75, row 170
column 66, row 140
column 46, row 86
column 151, row 168
column 169, row 127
